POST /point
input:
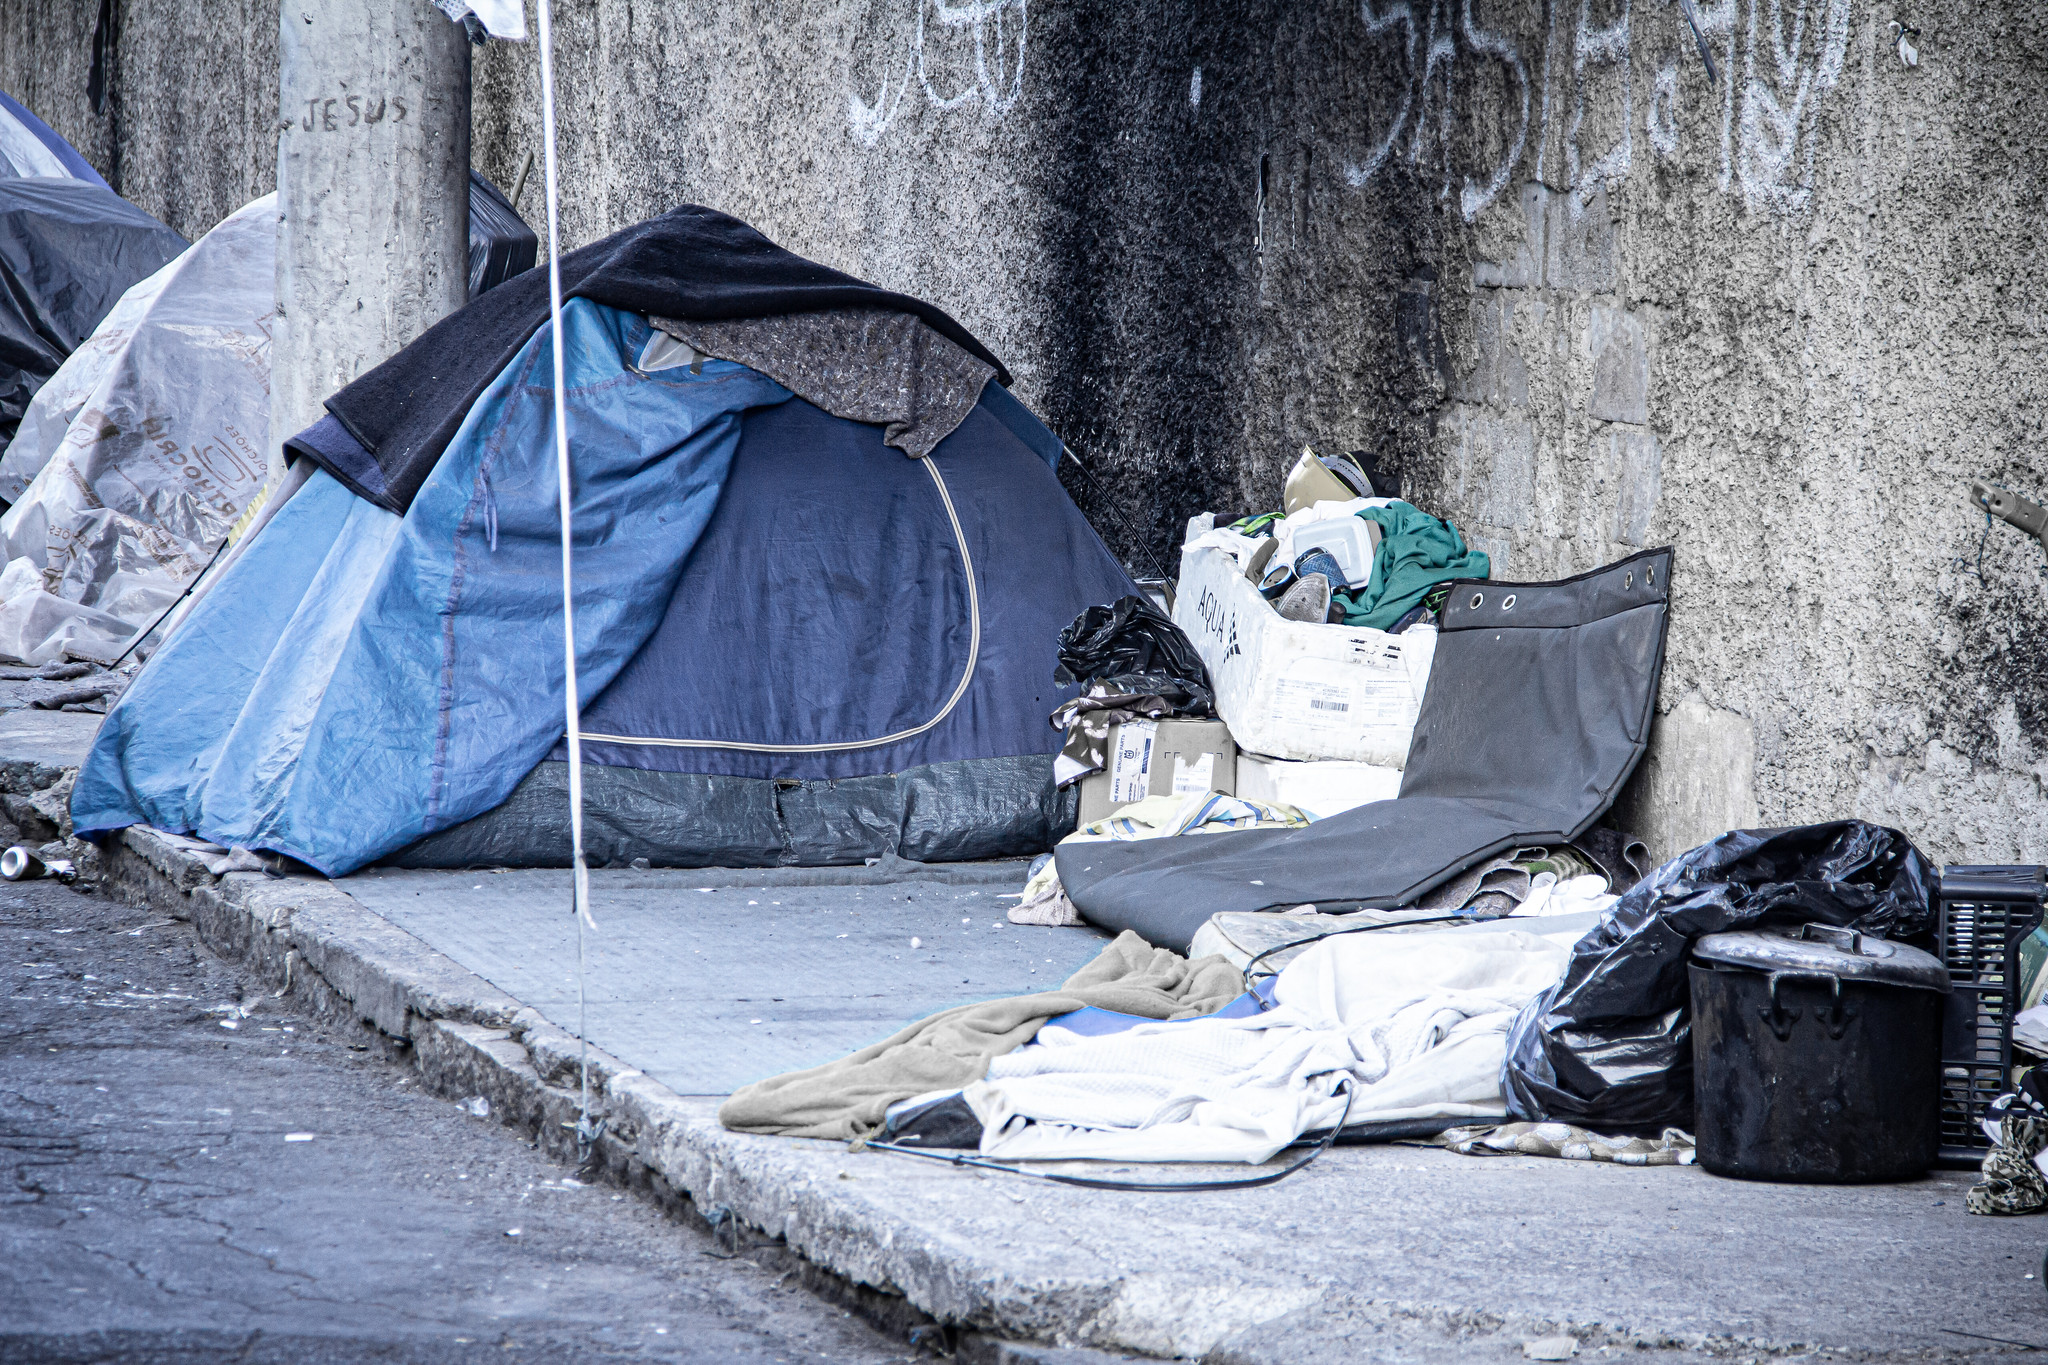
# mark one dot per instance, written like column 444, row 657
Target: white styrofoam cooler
column 1297, row 689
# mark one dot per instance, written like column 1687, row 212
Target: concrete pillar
column 373, row 192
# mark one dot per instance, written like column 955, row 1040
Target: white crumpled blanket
column 1416, row 1022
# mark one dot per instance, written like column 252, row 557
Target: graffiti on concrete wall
column 1600, row 58
column 1778, row 60
column 1426, row 113
column 1785, row 74
column 984, row 37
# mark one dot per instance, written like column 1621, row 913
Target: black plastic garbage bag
column 1610, row 1046
column 1132, row 637
column 69, row 250
column 501, row 245
column 1157, row 695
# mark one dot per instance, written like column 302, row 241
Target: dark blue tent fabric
column 1004, row 406
column 826, row 604
column 69, row 249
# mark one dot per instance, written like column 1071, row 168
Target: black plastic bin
column 501, row 245
column 1982, row 915
column 1816, row 1055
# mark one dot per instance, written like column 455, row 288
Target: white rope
column 580, row 893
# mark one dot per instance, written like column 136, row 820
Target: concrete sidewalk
column 709, row 980
column 1373, row 1253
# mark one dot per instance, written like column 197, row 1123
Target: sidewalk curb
column 931, row 1278
column 336, row 960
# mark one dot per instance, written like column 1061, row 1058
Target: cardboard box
column 1160, row 758
column 1317, row 787
column 1297, row 689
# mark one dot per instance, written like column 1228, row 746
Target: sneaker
column 1307, row 600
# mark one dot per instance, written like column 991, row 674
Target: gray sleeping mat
column 1538, row 708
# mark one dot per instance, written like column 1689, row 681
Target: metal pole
column 579, row 884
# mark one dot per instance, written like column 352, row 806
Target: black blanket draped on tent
column 691, row 263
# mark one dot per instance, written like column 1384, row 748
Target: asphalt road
column 193, row 1173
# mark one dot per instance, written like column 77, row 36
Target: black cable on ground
column 1265, row 953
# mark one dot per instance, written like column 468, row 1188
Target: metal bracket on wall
column 2030, row 517
column 519, row 185
column 1903, row 34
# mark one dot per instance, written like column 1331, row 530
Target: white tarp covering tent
column 135, row 460
column 29, row 147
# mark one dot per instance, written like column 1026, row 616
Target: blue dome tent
column 799, row 643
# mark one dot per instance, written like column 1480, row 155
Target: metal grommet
column 1508, row 603
column 1650, row 575
column 1628, row 580
column 1478, row 600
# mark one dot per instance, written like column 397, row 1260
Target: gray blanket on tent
column 1538, row 709
column 863, row 364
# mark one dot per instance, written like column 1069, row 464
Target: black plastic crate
column 1981, row 916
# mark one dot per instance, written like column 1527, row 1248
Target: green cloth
column 1416, row 553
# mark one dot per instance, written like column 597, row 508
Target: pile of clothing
column 1560, row 1029
column 1342, row 553
column 1118, row 1065
column 2014, row 1181
column 2017, row 1124
column 1524, row 880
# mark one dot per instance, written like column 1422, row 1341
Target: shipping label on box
column 1130, row 764
column 1199, row 776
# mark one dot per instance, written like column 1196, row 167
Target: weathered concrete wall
column 189, row 125
column 1586, row 299
column 1779, row 322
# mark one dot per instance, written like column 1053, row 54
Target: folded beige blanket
column 846, row 1099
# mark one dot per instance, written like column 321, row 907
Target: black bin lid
column 1825, row 950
